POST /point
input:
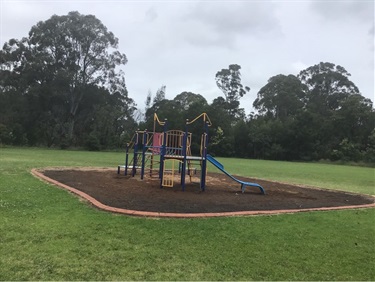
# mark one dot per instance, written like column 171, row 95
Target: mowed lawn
column 47, row 233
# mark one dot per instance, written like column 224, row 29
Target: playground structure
column 157, row 154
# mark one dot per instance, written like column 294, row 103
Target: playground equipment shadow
column 130, row 195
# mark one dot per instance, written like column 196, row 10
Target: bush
column 92, row 142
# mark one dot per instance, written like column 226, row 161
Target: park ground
column 221, row 194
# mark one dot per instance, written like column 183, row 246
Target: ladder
column 168, row 173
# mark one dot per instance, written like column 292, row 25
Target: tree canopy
column 283, row 96
column 62, row 61
column 62, row 85
column 229, row 82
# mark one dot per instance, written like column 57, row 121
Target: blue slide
column 243, row 183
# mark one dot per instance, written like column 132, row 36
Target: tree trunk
column 71, row 124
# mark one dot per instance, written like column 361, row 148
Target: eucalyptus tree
column 68, row 54
column 318, row 114
column 229, row 82
column 222, row 139
column 328, row 85
column 160, row 95
column 337, row 107
column 281, row 97
column 188, row 99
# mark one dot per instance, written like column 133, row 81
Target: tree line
column 62, row 87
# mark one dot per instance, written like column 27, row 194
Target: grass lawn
column 48, row 234
column 341, row 177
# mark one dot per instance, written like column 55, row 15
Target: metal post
column 134, row 170
column 184, row 151
column 144, row 153
column 162, row 152
column 126, row 159
column 204, row 158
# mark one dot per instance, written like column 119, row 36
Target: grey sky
column 182, row 44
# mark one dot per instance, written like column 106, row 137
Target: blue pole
column 162, row 152
column 134, row 170
column 144, row 153
column 126, row 158
column 204, row 158
column 184, row 152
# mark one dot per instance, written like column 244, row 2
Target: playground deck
column 195, row 158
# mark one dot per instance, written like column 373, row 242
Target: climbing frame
column 168, row 173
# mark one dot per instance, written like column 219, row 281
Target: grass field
column 340, row 177
column 48, row 234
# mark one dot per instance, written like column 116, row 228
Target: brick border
column 39, row 174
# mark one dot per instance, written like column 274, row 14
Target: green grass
column 340, row 177
column 48, row 234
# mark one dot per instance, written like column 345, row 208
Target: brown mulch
column 221, row 195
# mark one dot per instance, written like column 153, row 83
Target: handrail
column 205, row 118
column 156, row 118
column 203, row 142
column 150, row 136
column 131, row 142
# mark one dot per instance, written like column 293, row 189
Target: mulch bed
column 221, row 195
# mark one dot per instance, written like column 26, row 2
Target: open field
column 340, row 177
column 48, row 234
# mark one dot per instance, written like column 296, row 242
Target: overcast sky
column 182, row 44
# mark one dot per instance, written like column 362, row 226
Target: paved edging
column 38, row 173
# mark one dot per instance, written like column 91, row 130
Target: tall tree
column 328, row 85
column 148, row 101
column 329, row 89
column 158, row 102
column 187, row 99
column 160, row 94
column 281, row 97
column 68, row 54
column 229, row 82
column 222, row 130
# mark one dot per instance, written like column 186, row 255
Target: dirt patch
column 222, row 194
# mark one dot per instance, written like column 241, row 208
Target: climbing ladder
column 168, row 173
column 152, row 162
